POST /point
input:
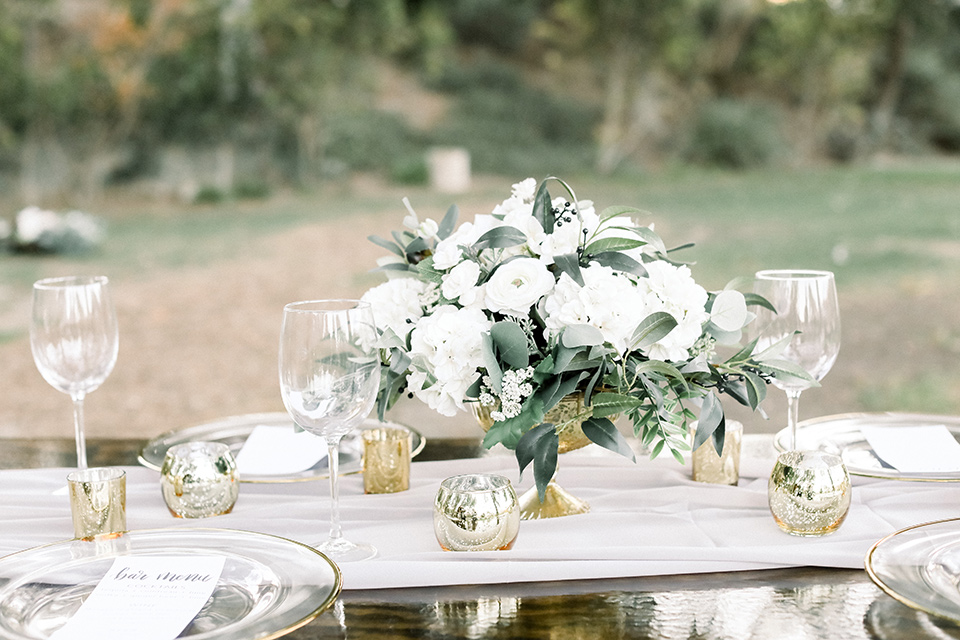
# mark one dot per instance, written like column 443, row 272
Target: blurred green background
column 240, row 151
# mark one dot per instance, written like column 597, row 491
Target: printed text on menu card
column 147, row 597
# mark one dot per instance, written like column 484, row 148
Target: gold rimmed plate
column 235, row 430
column 920, row 567
column 841, row 435
column 269, row 585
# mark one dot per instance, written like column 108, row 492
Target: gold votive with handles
column 386, row 459
column 724, row 468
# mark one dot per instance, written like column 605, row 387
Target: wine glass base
column 340, row 550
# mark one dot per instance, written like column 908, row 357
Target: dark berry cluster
column 563, row 214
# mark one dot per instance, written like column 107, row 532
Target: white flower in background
column 446, row 348
column 427, row 229
column 517, row 285
column 461, row 283
column 397, row 304
column 448, row 253
column 608, row 301
column 88, row 228
column 672, row 289
column 525, row 190
column 33, row 222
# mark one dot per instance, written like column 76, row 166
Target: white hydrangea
column 398, row 303
column 608, row 301
column 446, row 348
column 672, row 289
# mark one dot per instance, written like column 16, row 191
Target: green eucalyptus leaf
column 613, row 244
column 787, row 370
column 418, row 245
column 604, row 433
column 386, row 244
column 663, row 368
column 756, row 300
column 569, row 263
column 756, row 389
column 617, row 211
column 490, row 362
column 653, row 328
column 580, row 335
column 647, row 235
column 711, row 417
column 394, row 266
column 449, row 222
column 539, row 445
column 541, row 208
column 609, row 403
column 428, row 272
column 619, row 262
column 511, row 343
column 500, row 238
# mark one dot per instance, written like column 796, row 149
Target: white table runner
column 647, row 518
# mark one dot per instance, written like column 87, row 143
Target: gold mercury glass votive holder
column 723, row 468
column 98, row 502
column 386, row 460
column 199, row 479
column 809, row 492
column 476, row 512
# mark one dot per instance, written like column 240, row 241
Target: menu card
column 915, row 449
column 279, row 450
column 148, row 598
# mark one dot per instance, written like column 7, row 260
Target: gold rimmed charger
column 841, row 435
column 920, row 567
column 269, row 585
column 234, row 431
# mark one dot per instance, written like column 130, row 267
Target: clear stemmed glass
column 807, row 309
column 329, row 377
column 74, row 339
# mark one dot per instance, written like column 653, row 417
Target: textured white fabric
column 647, row 518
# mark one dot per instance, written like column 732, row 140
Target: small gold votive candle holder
column 199, row 479
column 98, row 502
column 723, row 468
column 809, row 492
column 476, row 512
column 386, row 460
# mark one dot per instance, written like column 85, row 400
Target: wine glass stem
column 333, row 466
column 78, row 430
column 793, row 414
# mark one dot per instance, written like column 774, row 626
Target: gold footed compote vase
column 568, row 414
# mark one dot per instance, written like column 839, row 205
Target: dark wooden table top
column 783, row 603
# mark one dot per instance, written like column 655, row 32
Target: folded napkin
column 647, row 518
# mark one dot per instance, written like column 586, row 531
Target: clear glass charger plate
column 235, row 430
column 269, row 585
column 920, row 567
column 841, row 435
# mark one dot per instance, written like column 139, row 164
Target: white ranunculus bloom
column 448, row 344
column 461, row 283
column 517, row 285
column 567, row 236
column 397, row 304
column 608, row 301
column 525, row 190
column 672, row 289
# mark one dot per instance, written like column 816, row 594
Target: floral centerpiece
column 545, row 297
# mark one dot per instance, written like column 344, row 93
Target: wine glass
column 329, row 378
column 74, row 339
column 807, row 309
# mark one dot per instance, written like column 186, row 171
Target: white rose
column 461, row 282
column 517, row 285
